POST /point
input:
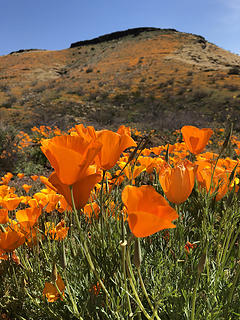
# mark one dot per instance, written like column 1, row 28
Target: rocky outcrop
column 117, row 35
column 25, row 50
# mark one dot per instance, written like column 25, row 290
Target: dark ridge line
column 117, row 35
column 26, row 50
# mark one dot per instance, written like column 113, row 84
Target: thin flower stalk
column 85, row 248
column 123, row 245
column 154, row 310
column 235, row 281
column 137, row 299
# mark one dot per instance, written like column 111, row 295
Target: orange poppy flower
column 34, row 177
column 13, row 257
column 5, row 191
column 51, row 292
column 196, row 139
column 148, row 212
column 151, row 163
column 20, row 175
column 91, row 210
column 95, row 289
column 49, row 186
column 131, row 172
column 124, row 130
column 113, row 145
column 6, row 178
column 33, row 203
column 58, row 232
column 63, row 205
column 189, row 246
column 81, row 189
column 11, row 203
column 70, row 156
column 11, row 239
column 88, row 133
column 220, row 181
column 3, row 216
column 28, row 217
column 178, row 182
column 116, row 179
column 26, row 187
column 53, row 200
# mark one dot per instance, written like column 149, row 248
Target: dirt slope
column 147, row 77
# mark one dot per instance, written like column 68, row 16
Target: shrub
column 231, row 87
column 7, row 148
column 10, row 101
column 234, row 70
column 89, row 70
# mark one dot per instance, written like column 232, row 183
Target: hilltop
column 149, row 77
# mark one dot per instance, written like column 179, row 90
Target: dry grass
column 154, row 73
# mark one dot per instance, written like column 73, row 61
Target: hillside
column 145, row 77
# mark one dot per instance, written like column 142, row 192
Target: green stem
column 76, row 213
column 73, row 301
column 214, row 168
column 14, row 275
column 235, row 280
column 89, row 259
column 101, row 193
column 123, row 247
column 226, row 248
column 146, row 294
column 194, row 297
column 138, row 300
column 227, row 254
column 85, row 247
column 132, row 280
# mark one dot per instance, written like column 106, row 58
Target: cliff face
column 145, row 76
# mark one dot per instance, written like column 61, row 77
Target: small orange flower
column 131, row 172
column 11, row 203
column 95, row 289
column 28, row 217
column 196, row 139
column 58, row 232
column 220, row 180
column 6, row 178
column 189, row 246
column 148, row 212
column 51, row 292
column 11, row 239
column 20, row 175
column 53, row 200
column 148, row 163
column 33, row 203
column 13, row 257
column 26, row 187
column 34, row 177
column 91, row 210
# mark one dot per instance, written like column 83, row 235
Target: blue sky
column 55, row 24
